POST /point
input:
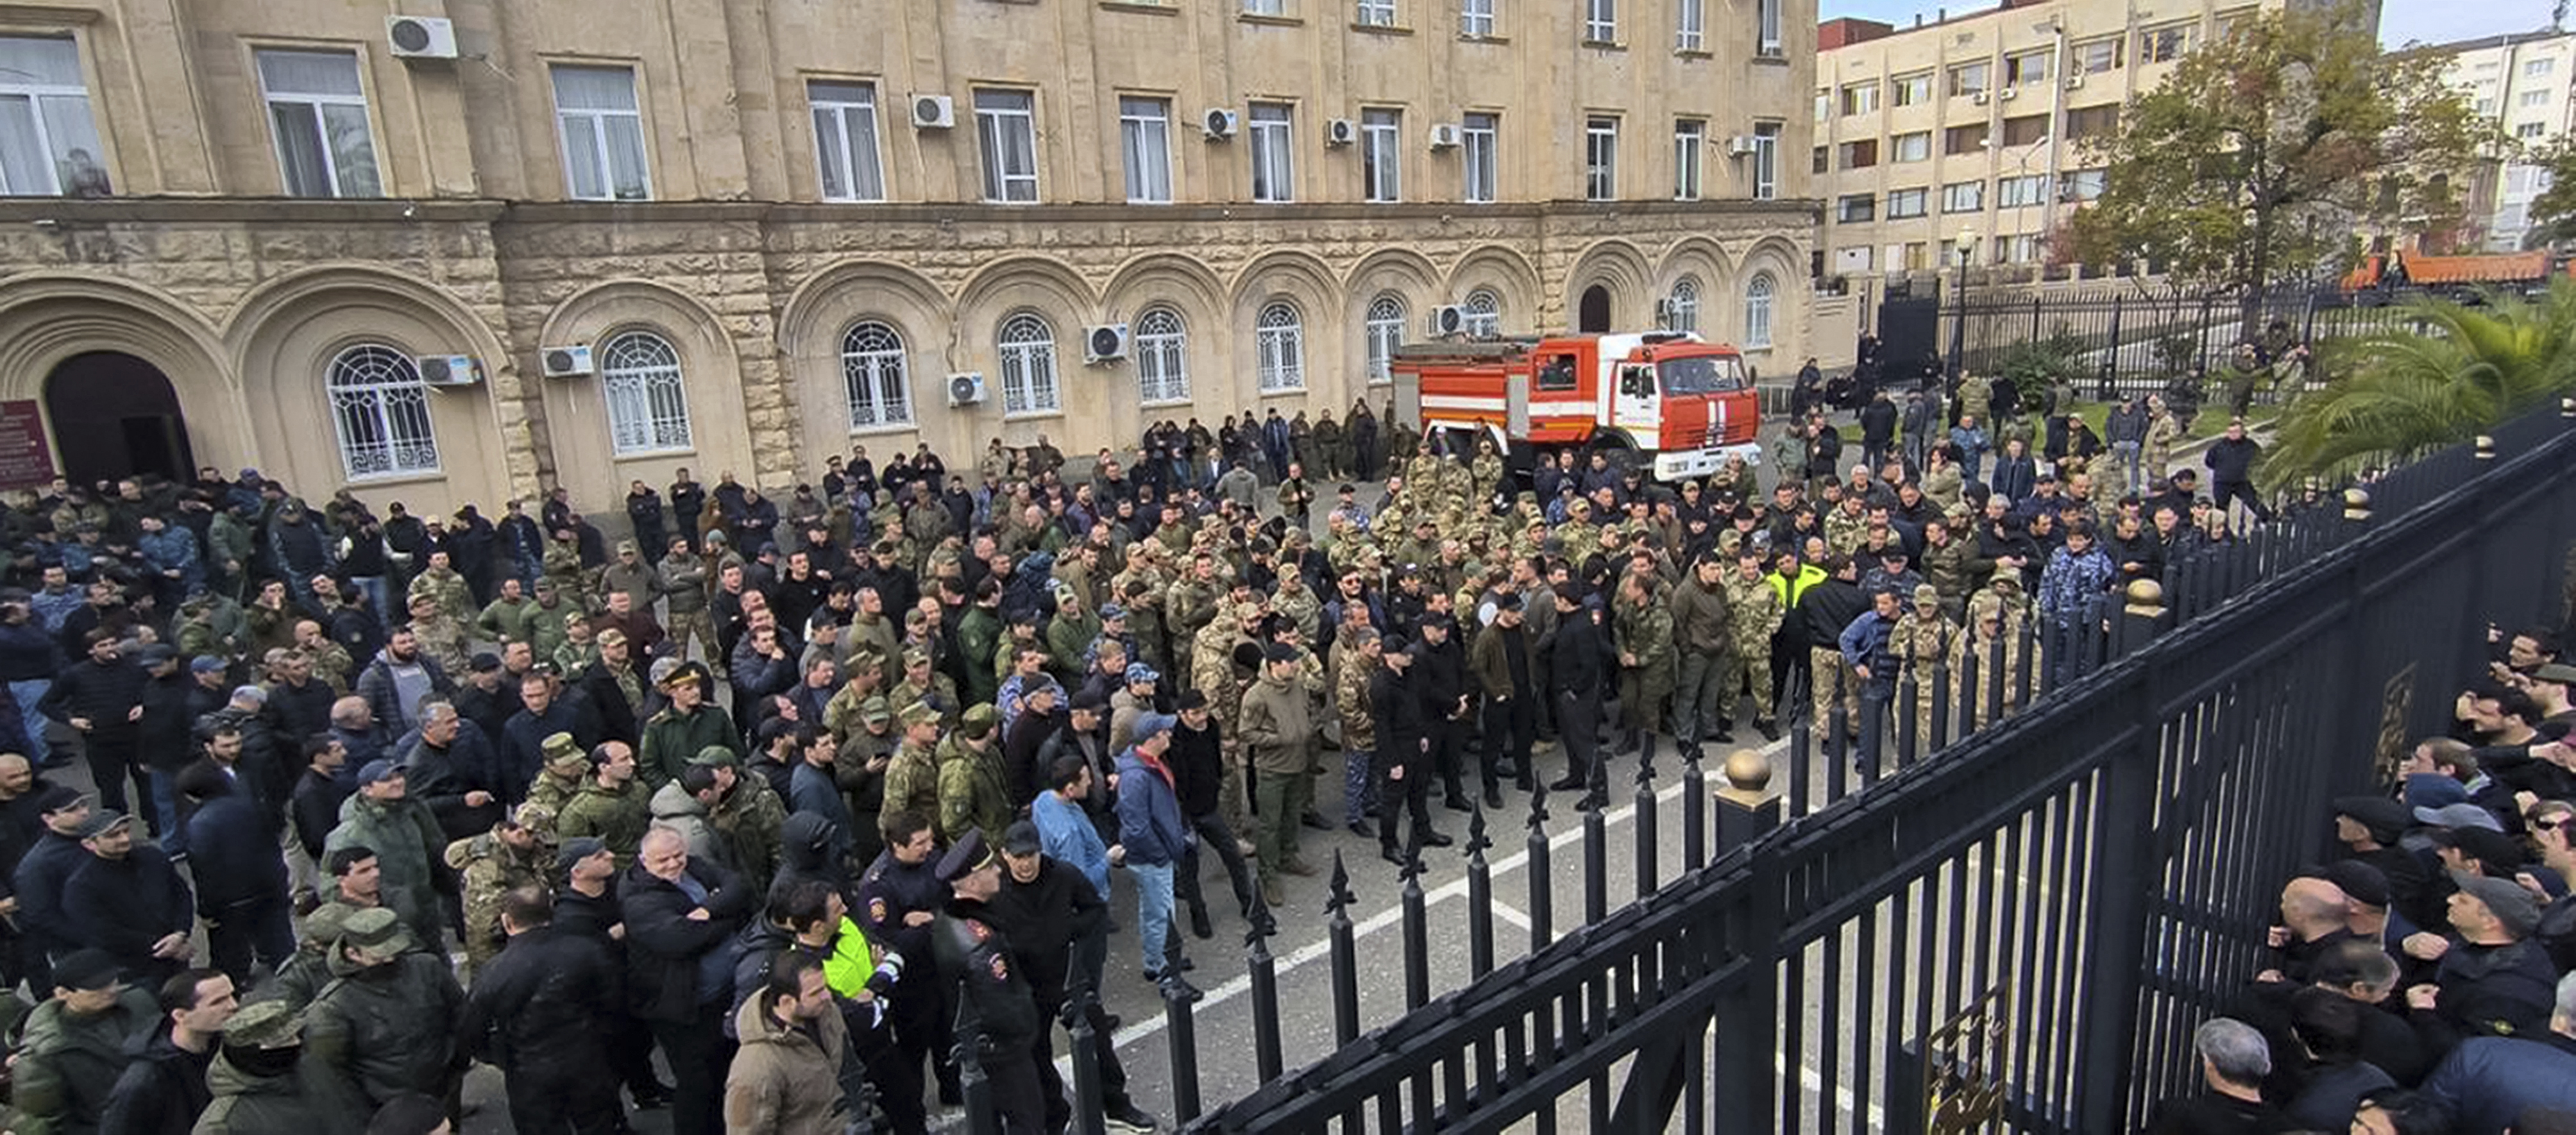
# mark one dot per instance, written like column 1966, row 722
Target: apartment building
column 2522, row 82
column 457, row 250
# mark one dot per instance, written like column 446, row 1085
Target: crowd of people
column 773, row 797
column 2419, row 980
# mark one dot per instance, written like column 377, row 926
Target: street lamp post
column 1966, row 243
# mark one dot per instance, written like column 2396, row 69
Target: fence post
column 1747, row 809
column 977, row 1089
column 2105, row 386
column 1694, row 813
column 1266, row 1054
column 1346, row 976
column 1645, row 822
column 1089, row 1108
column 2142, row 618
column 1182, row 1030
column 1542, row 895
column 1480, row 896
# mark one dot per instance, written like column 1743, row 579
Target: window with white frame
column 1162, row 357
column 1860, row 98
column 1274, row 169
column 845, row 140
column 1265, row 7
column 2530, row 130
column 1910, row 90
column 317, row 109
column 2094, row 57
column 1766, row 29
column 1385, row 330
column 1690, row 145
column 1145, row 144
column 2022, row 191
column 1914, row 147
column 1601, row 158
column 1476, row 18
column 1690, row 25
column 1970, row 79
column 1375, row 14
column 2028, row 69
column 1484, row 314
column 1006, row 130
column 1281, row 338
column 1903, row 203
column 1766, row 161
column 1027, row 343
column 875, row 379
column 2539, row 68
column 2167, row 43
column 48, row 143
column 380, row 412
column 2530, row 99
column 1479, row 137
column 1963, row 197
column 1681, row 308
column 1600, row 21
column 648, row 402
column 603, row 134
column 2082, row 184
column 1757, row 310
column 1382, row 154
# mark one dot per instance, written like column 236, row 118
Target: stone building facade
column 244, row 232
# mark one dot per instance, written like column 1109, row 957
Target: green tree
column 2409, row 394
column 2261, row 152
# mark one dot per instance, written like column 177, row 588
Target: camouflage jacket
column 488, row 869
column 1753, row 613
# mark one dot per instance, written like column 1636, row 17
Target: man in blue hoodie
column 1156, row 837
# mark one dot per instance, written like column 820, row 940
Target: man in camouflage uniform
column 441, row 637
column 746, row 815
column 1355, row 661
column 1995, row 637
column 912, row 778
column 1212, row 672
column 1923, row 640
column 566, row 766
column 1641, row 625
column 550, row 621
column 922, row 683
column 443, row 585
column 682, row 578
column 517, row 852
column 563, row 565
column 1753, row 613
column 974, row 790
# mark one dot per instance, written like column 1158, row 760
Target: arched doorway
column 115, row 416
column 1592, row 315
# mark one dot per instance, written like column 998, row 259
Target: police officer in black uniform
column 994, row 1001
column 899, row 896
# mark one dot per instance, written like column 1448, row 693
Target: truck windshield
column 1702, row 374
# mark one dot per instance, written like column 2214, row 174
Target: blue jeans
column 1153, row 912
column 373, row 587
column 29, row 691
column 165, row 806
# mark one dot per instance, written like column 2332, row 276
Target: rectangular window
column 2019, row 248
column 1600, row 21
column 603, row 134
column 2534, row 98
column 1375, row 14
column 1910, row 90
column 1766, row 29
column 1601, row 158
column 2094, row 57
column 2021, row 191
column 1274, row 169
column 2028, row 69
column 1860, row 98
column 48, row 144
column 1903, row 203
column 845, row 140
column 2487, row 107
column 1476, row 18
column 2091, row 121
column 1963, row 197
column 1914, row 147
column 2082, row 184
column 2225, row 25
column 1382, row 154
column 1690, row 25
column 1145, row 146
column 1824, row 104
column 1006, row 130
column 1918, row 255
column 2530, row 130
column 1961, row 140
column 1861, row 154
column 1856, row 207
column 1824, row 162
column 1480, row 137
column 1690, row 141
column 318, row 110
column 2539, row 68
column 1265, row 7
column 1766, row 161
column 1969, row 79
column 2026, row 130
column 2167, row 43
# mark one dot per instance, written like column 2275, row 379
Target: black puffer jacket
column 666, row 950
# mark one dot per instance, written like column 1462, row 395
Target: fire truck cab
column 1665, row 401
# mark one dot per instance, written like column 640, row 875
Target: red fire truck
column 1665, row 401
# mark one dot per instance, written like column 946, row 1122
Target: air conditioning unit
column 421, row 37
column 1220, row 123
column 448, row 370
column 1444, row 135
column 966, row 388
column 1447, row 319
column 2075, row 82
column 2007, row 94
column 1341, row 132
column 1105, row 343
column 933, row 112
column 567, row 362
column 1741, row 145
column 1980, row 98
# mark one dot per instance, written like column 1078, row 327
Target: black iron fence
column 2122, row 338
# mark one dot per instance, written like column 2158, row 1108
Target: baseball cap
column 485, row 662
column 209, row 664
column 2461, row 815
column 1140, row 672
column 2387, row 819
column 378, row 771
column 575, row 850
column 87, row 970
column 1152, row 723
column 2359, row 881
column 56, row 797
column 1021, row 839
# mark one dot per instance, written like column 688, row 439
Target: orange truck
column 1667, row 402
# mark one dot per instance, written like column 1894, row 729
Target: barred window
column 1282, row 338
column 1757, row 310
column 873, row 377
column 1162, row 357
column 648, row 403
column 1681, row 310
column 1484, row 314
column 1386, row 316
column 381, row 411
column 1027, row 343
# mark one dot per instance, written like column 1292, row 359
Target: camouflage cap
column 327, row 922
column 535, row 818
column 915, row 656
column 1926, row 594
column 980, row 720
column 875, row 709
column 561, row 749
column 715, row 756
column 1248, row 612
column 376, row 930
column 919, row 713
column 272, row 1023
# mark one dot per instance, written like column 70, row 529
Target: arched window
column 1282, row 338
column 1681, row 309
column 1484, row 314
column 1385, row 334
column 648, row 404
column 873, row 376
column 1757, row 311
column 1162, row 357
column 382, row 413
column 1028, row 365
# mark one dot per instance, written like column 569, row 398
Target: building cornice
column 290, row 212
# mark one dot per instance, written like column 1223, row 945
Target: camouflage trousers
column 1756, row 668
column 1829, row 678
column 1643, row 690
column 1234, row 801
column 695, row 624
